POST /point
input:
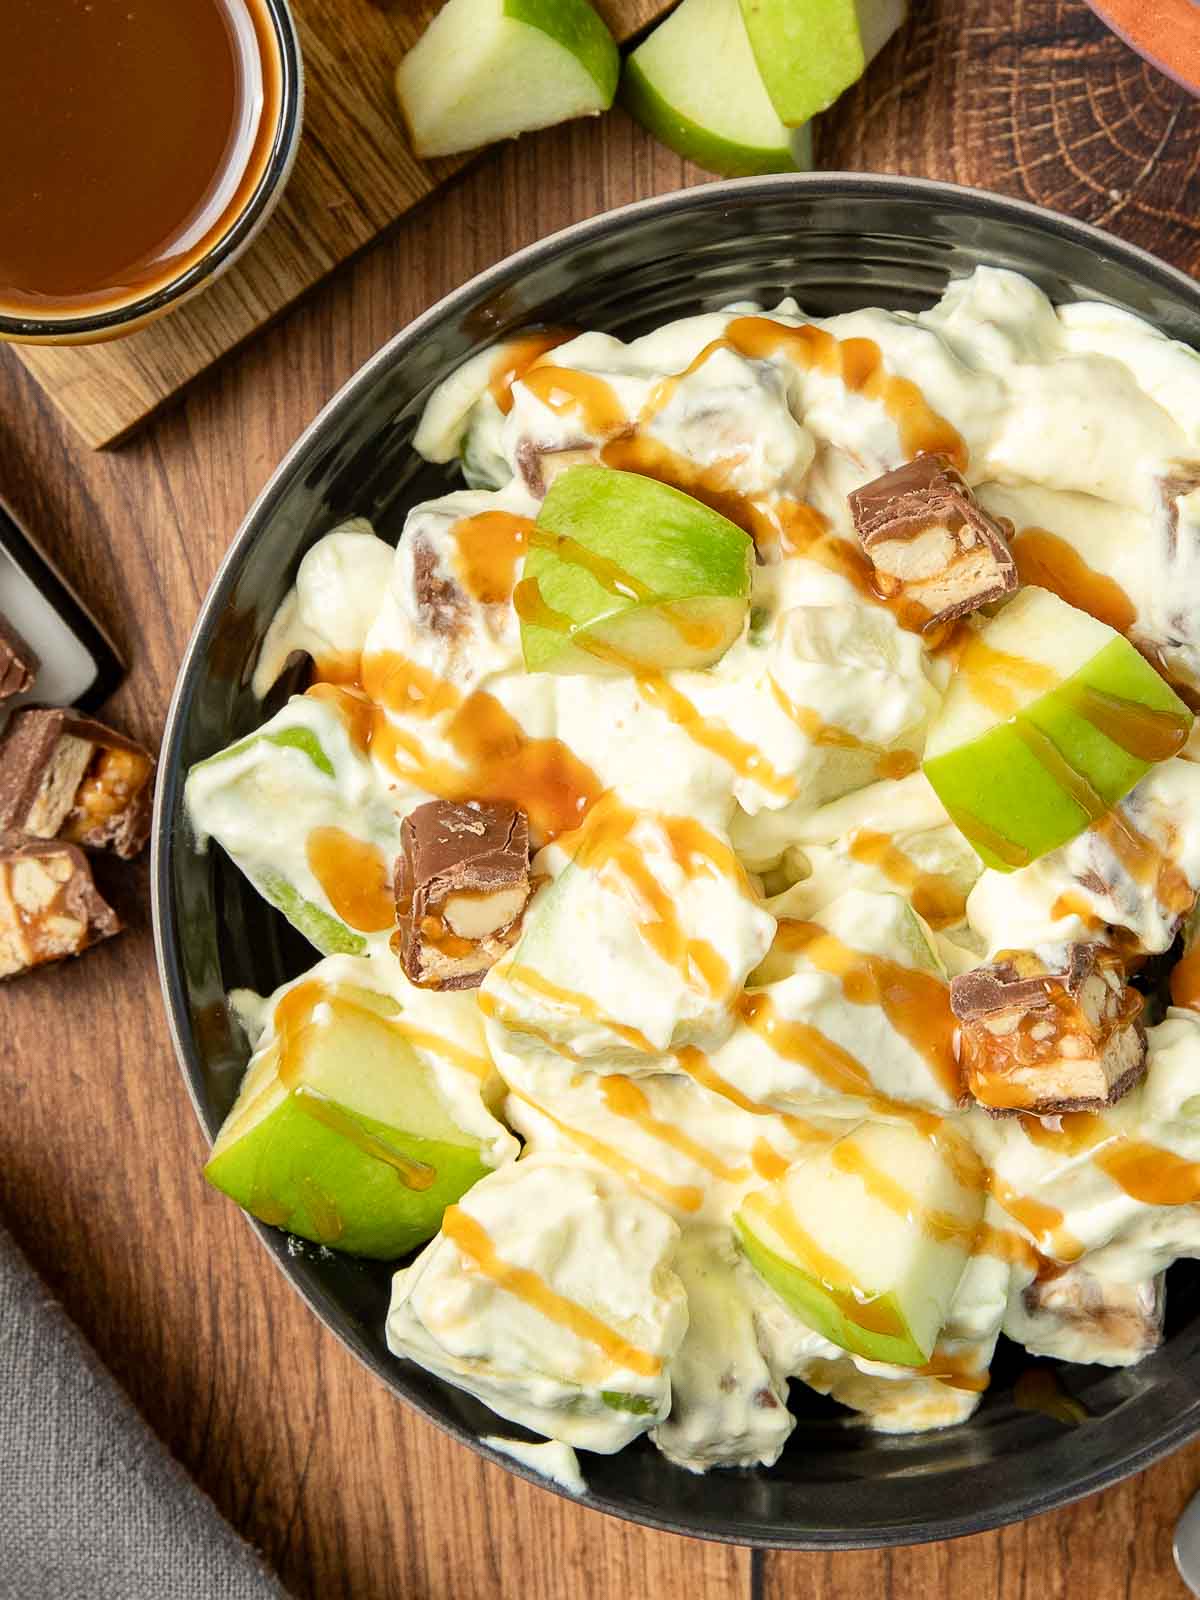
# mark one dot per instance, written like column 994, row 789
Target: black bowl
column 837, row 241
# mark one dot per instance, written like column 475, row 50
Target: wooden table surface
column 346, row 1491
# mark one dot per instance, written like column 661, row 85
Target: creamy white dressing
column 657, row 1054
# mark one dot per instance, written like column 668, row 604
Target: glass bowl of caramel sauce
column 145, row 144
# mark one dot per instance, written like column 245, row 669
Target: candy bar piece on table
column 18, row 661
column 462, row 883
column 930, row 541
column 68, row 777
column 1049, row 1039
column 49, row 906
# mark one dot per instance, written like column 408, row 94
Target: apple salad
column 738, row 828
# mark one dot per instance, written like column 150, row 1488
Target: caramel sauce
column 1185, row 980
column 1150, row 1174
column 1141, row 731
column 322, row 1208
column 917, row 1004
column 625, row 1098
column 941, row 1226
column 355, row 876
column 698, row 1067
column 524, row 977
column 437, row 935
column 339, row 667
column 767, row 1161
column 858, row 363
column 650, row 458
column 802, row 1043
column 1071, row 904
column 487, row 549
column 113, row 778
column 935, row 896
column 1047, row 754
column 418, row 1175
column 1006, row 1245
column 887, row 763
column 1001, row 681
column 1146, row 864
column 133, row 138
column 499, row 761
column 686, row 1197
column 456, row 1054
column 982, row 833
column 747, row 761
column 1039, row 1390
column 956, row 1371
column 1048, row 562
column 869, row 1312
column 567, row 392
column 475, row 1245
column 356, row 710
column 1044, row 1222
column 514, row 359
column 605, row 845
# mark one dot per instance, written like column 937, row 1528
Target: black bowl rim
column 839, row 185
column 80, row 327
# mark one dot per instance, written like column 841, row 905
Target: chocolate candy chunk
column 49, row 906
column 930, row 541
column 462, row 881
column 1045, row 1040
column 1077, row 1316
column 65, row 776
column 18, row 662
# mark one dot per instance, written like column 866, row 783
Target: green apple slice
column 339, row 1133
column 1051, row 718
column 491, row 69
column 626, row 571
column 867, row 1240
column 810, row 51
column 694, row 84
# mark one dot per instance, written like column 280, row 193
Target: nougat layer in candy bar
column 1046, row 1040
column 49, row 906
column 930, row 541
column 69, row 777
column 461, row 884
column 18, row 661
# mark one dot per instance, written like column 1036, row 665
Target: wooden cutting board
column 355, row 176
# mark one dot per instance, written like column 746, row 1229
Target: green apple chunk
column 867, row 1240
column 810, row 51
column 694, row 84
column 339, row 1133
column 1051, row 718
column 491, row 69
column 625, row 571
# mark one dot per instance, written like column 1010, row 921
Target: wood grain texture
column 355, row 176
column 347, row 1492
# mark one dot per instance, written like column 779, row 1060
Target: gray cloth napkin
column 92, row 1507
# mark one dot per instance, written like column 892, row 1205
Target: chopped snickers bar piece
column 462, row 881
column 930, row 541
column 64, row 776
column 1045, row 1041
column 1079, row 1317
column 18, row 662
column 49, row 906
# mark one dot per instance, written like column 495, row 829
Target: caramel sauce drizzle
column 563, row 390
column 487, row 548
column 1150, row 1174
column 625, row 1098
column 499, row 761
column 767, row 1161
column 1001, row 681
column 526, row 977
column 698, row 1067
column 802, row 1043
column 1143, row 731
column 1047, row 754
column 514, row 359
column 941, row 1226
column 1043, row 1221
column 917, row 1004
column 417, row 1175
column 475, row 1245
column 686, row 1197
column 1038, row 1389
column 356, row 710
column 355, row 876
column 1049, row 562
column 1185, row 980
column 872, row 1313
column 957, row 1370
column 935, row 896
column 887, row 763
column 1146, row 864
